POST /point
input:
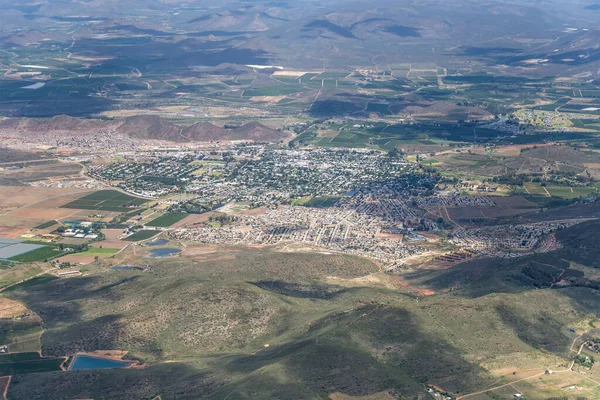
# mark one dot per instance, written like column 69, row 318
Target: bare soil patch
column 20, row 196
column 42, row 172
column 41, row 213
column 201, row 250
column 194, row 219
column 255, row 211
column 190, row 220
column 111, row 244
column 77, row 259
column 111, row 234
column 10, row 308
column 515, row 150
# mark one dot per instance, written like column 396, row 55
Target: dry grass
column 18, row 273
column 11, row 308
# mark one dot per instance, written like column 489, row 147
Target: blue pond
column 158, row 242
column 164, row 252
column 88, row 362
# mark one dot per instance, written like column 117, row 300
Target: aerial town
column 299, row 200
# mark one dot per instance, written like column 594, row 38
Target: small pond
column 164, row 252
column 89, row 362
column 158, row 242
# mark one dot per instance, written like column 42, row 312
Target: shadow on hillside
column 484, row 276
column 66, row 329
column 321, row 291
column 172, row 381
column 366, row 351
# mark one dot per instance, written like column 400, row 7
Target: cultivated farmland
column 167, row 219
column 106, row 200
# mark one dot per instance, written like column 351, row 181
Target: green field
column 167, row 219
column 23, row 363
column 96, row 251
column 320, row 202
column 41, row 254
column 568, row 192
column 12, row 331
column 46, row 225
column 535, row 189
column 106, row 200
column 141, row 235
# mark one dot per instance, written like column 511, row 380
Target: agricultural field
column 141, row 235
column 43, row 253
column 569, row 192
column 14, row 273
column 26, row 363
column 535, row 189
column 46, row 225
column 564, row 192
column 106, row 200
column 167, row 219
column 98, row 251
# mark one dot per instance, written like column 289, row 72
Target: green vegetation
column 23, row 363
column 46, row 225
column 167, row 219
column 42, row 254
column 584, row 361
column 320, row 202
column 141, row 235
column 97, row 251
column 12, row 331
column 569, row 192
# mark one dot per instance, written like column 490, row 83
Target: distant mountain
column 59, row 123
column 145, row 127
column 150, row 127
column 256, row 132
column 328, row 27
column 205, row 131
